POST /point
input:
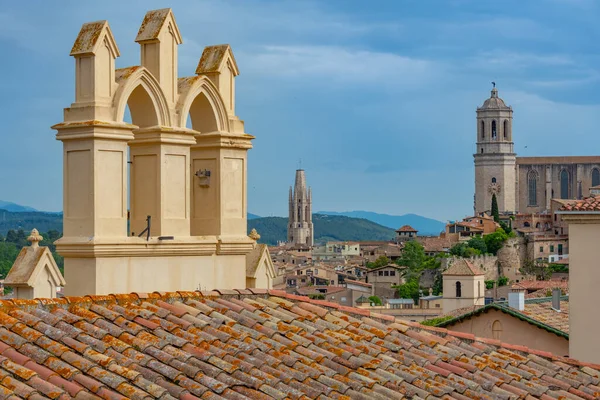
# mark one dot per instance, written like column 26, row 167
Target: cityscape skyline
column 378, row 103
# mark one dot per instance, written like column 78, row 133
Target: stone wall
column 511, row 258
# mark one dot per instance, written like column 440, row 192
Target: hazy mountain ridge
column 425, row 226
column 14, row 207
column 327, row 227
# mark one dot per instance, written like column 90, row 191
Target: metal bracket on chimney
column 147, row 230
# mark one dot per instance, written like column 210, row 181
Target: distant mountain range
column 351, row 225
column 327, row 227
column 425, row 226
column 13, row 207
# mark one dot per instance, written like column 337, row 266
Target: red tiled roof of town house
column 435, row 244
column 537, row 285
column 406, row 228
column 463, row 267
column 260, row 345
column 588, row 204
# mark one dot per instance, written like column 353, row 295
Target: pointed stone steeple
column 300, row 226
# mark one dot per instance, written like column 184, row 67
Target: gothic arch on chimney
column 139, row 90
column 200, row 99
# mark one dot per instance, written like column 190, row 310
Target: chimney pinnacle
column 35, row 238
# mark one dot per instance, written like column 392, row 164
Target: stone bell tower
column 495, row 159
column 300, row 225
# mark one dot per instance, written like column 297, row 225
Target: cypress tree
column 495, row 212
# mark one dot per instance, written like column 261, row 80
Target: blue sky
column 377, row 98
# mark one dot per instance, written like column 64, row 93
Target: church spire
column 300, row 226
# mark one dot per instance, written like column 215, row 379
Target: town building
column 337, row 251
column 384, row 279
column 405, row 233
column 300, row 226
column 522, row 184
column 478, row 225
column 463, row 285
column 583, row 217
column 372, row 250
column 540, row 323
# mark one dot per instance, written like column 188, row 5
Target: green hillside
column 28, row 220
column 327, row 227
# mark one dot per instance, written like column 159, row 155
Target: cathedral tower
column 495, row 159
column 300, row 226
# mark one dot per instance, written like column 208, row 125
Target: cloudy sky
column 377, row 98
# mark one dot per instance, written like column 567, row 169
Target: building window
column 392, row 273
column 505, row 129
column 532, row 188
column 478, row 289
column 458, row 289
column 437, row 305
column 595, row 177
column 482, row 150
column 494, row 180
column 386, row 273
column 541, row 249
column 564, row 184
column 482, row 131
column 551, row 248
column 316, row 272
column 380, row 273
column 497, row 330
column 494, row 132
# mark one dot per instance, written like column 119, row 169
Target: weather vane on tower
column 494, row 84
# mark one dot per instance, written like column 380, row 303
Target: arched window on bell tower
column 458, row 289
column 494, row 130
column 482, row 130
column 505, row 129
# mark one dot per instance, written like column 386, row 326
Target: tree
column 495, row 241
column 502, row 281
column 409, row 290
column 495, row 211
column 438, row 285
column 413, row 257
column 463, row 250
column 537, row 268
column 381, row 261
column 478, row 243
column 376, row 301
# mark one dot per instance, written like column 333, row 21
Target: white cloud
column 514, row 60
column 340, row 64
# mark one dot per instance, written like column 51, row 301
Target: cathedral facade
column 523, row 184
column 300, row 226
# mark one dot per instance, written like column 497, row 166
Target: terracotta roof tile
column 588, row 204
column 267, row 345
column 406, row 228
column 463, row 267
